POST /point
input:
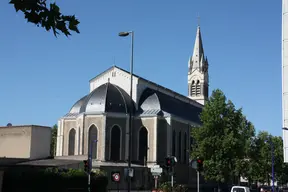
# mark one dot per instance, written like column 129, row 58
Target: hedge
column 29, row 179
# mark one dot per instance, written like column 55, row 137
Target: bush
column 166, row 187
column 51, row 179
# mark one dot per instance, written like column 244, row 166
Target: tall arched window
column 143, row 144
column 193, row 88
column 79, row 140
column 71, row 144
column 115, row 148
column 174, row 143
column 179, row 147
column 198, row 88
column 92, row 141
column 185, row 148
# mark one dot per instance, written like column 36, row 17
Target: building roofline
column 104, row 72
column 188, row 100
column 17, row 126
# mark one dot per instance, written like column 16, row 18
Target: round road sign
column 116, row 177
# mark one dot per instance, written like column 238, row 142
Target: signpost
column 115, row 176
column 195, row 165
column 156, row 171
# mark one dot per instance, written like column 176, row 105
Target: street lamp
column 272, row 160
column 125, row 34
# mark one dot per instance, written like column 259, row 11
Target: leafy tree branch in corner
column 48, row 17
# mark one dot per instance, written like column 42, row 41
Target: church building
column 162, row 118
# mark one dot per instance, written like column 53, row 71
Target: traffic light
column 86, row 166
column 168, row 162
column 199, row 164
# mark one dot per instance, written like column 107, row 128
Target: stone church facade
column 162, row 118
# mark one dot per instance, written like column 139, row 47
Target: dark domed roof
column 156, row 101
column 76, row 107
column 105, row 98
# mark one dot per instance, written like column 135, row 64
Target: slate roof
column 154, row 102
column 105, row 98
column 75, row 109
column 191, row 101
column 111, row 98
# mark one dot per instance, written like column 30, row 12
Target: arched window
column 185, row 148
column 71, row 144
column 193, row 88
column 79, row 140
column 115, row 147
column 174, row 143
column 83, row 142
column 143, row 144
column 179, row 147
column 198, row 88
column 92, row 141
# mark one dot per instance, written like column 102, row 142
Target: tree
column 222, row 140
column 53, row 140
column 261, row 159
column 37, row 12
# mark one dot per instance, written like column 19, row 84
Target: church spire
column 195, row 61
column 198, row 71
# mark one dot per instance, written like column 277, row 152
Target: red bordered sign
column 116, row 177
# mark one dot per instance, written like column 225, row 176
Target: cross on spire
column 198, row 20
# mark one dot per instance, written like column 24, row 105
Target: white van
column 240, row 189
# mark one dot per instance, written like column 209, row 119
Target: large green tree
column 53, row 140
column 223, row 139
column 47, row 15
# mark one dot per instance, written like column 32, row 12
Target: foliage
column 51, row 179
column 223, row 139
column 37, row 12
column 166, row 187
column 99, row 172
column 261, row 159
column 53, row 140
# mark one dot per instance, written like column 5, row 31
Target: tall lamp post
column 125, row 34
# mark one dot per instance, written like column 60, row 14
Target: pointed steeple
column 198, row 78
column 197, row 61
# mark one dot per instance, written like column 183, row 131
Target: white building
column 285, row 77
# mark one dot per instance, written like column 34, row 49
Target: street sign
column 129, row 172
column 116, row 177
column 156, row 171
column 193, row 164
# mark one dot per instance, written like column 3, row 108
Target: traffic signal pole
column 89, row 172
column 198, row 183
column 172, row 179
column 89, row 181
column 89, row 165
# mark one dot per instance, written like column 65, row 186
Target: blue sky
column 42, row 76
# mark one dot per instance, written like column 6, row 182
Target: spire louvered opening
column 193, row 88
column 198, row 88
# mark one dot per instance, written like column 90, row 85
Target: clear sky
column 42, row 76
